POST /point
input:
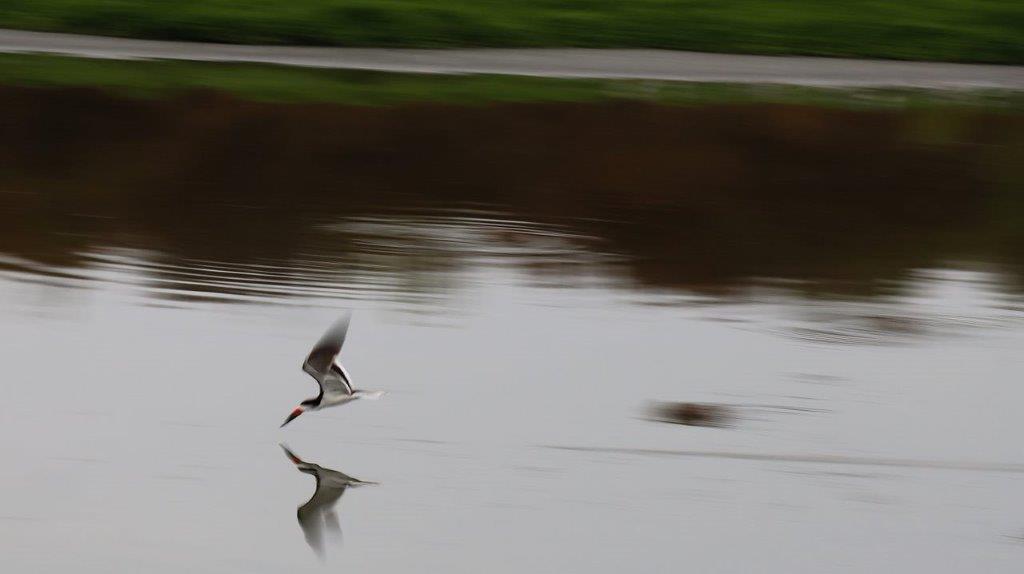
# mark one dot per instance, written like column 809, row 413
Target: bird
column 318, row 512
column 335, row 383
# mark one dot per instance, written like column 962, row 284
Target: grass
column 947, row 30
column 259, row 82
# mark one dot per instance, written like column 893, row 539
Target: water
column 846, row 283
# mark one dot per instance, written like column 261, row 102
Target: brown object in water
column 692, row 414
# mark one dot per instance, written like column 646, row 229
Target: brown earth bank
column 704, row 198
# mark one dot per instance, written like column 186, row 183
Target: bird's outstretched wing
column 318, row 512
column 320, row 362
column 311, row 515
column 324, row 498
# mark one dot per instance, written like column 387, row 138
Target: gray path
column 566, row 63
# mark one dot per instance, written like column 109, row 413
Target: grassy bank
column 258, row 82
column 949, row 30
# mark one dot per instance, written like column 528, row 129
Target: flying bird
column 322, row 364
column 318, row 512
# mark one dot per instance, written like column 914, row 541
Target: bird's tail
column 371, row 395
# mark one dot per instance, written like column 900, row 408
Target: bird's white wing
column 320, row 360
column 336, row 382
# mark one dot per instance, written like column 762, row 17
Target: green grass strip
column 259, row 82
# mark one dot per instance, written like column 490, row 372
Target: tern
column 335, row 383
column 318, row 512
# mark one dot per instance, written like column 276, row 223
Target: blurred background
column 738, row 287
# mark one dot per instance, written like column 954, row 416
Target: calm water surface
column 864, row 327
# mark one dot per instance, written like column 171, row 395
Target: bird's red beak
column 298, row 411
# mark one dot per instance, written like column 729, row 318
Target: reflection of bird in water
column 322, row 365
column 318, row 512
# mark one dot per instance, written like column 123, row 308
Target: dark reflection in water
column 810, row 459
column 691, row 414
column 721, row 415
column 318, row 517
column 212, row 198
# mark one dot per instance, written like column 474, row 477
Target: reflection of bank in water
column 704, row 198
column 318, row 514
